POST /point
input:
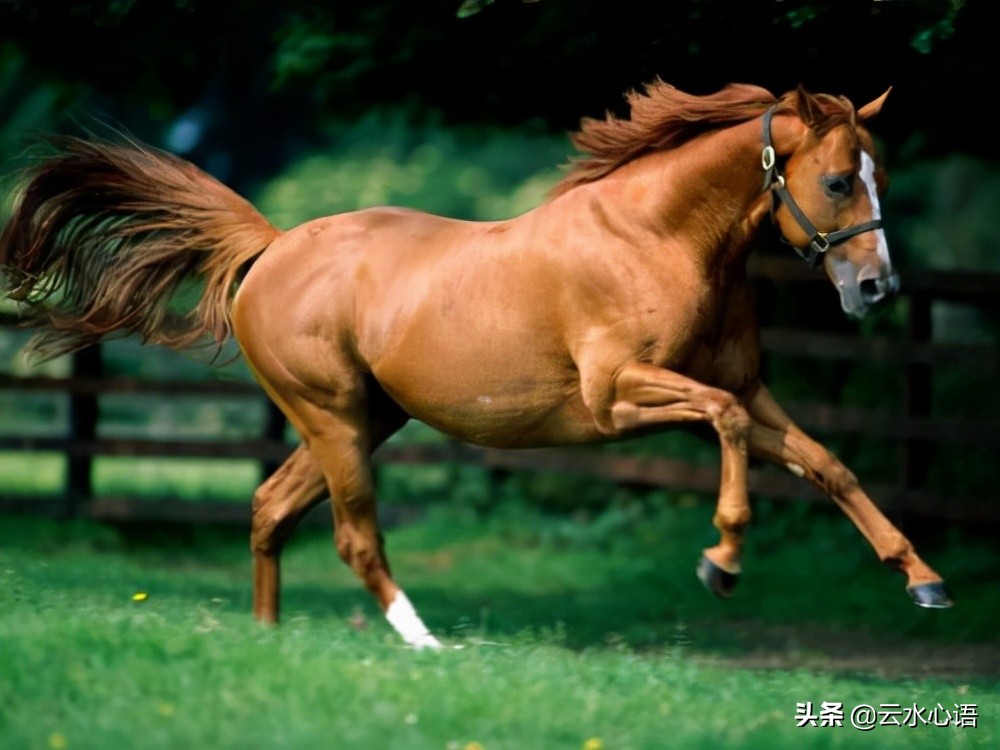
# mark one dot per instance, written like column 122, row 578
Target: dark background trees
column 258, row 78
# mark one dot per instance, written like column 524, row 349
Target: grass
column 572, row 630
column 191, row 479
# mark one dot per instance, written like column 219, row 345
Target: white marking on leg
column 796, row 469
column 404, row 618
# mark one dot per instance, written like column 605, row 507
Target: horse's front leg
column 775, row 437
column 646, row 396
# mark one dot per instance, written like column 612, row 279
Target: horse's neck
column 704, row 196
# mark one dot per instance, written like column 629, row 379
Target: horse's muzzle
column 874, row 291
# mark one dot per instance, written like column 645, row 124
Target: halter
column 819, row 242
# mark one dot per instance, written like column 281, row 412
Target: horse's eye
column 838, row 186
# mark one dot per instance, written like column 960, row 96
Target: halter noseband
column 819, row 242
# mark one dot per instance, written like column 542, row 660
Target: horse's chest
column 732, row 365
column 721, row 345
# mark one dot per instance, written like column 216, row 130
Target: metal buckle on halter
column 819, row 243
column 814, row 252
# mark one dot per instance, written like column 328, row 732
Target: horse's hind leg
column 278, row 505
column 341, row 437
column 773, row 436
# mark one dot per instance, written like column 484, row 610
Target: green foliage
column 41, row 474
column 24, row 112
column 384, row 160
column 190, row 479
column 943, row 28
column 263, row 71
column 306, row 47
column 801, row 16
column 35, row 474
column 944, row 212
column 471, row 7
column 32, row 111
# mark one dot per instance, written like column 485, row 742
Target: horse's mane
column 662, row 117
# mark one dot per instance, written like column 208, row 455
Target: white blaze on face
column 847, row 276
column 868, row 177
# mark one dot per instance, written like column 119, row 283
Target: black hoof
column 931, row 595
column 720, row 582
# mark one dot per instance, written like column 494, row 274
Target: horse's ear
column 873, row 107
column 807, row 107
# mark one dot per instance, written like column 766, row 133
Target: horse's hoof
column 931, row 595
column 720, row 582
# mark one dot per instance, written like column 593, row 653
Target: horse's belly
column 507, row 425
column 491, row 401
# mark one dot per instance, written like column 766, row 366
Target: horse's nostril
column 872, row 290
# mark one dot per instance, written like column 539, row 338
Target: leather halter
column 819, row 242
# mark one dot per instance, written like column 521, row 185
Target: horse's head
column 827, row 200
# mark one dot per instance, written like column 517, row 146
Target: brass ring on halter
column 768, row 158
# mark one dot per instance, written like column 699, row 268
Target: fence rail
column 917, row 431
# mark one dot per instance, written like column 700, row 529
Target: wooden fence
column 917, row 357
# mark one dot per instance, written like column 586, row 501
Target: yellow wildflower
column 140, row 596
column 594, row 743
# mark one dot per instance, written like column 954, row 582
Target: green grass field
column 586, row 633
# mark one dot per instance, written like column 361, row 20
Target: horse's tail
column 104, row 234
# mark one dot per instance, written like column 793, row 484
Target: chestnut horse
column 619, row 305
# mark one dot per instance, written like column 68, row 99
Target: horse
column 619, row 305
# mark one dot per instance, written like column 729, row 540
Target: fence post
column 919, row 392
column 83, row 413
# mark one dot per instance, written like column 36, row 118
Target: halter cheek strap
column 819, row 242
